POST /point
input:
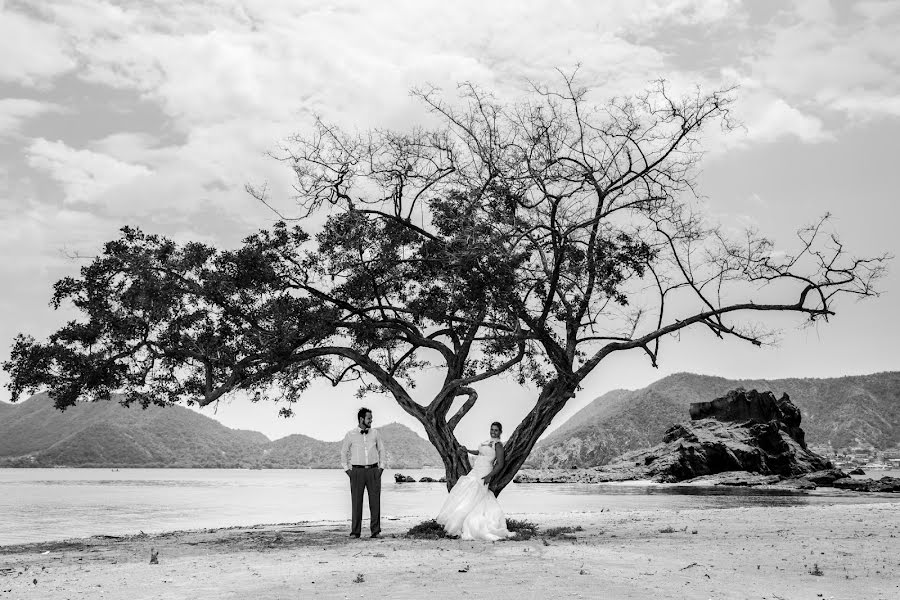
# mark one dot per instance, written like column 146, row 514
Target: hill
column 405, row 450
column 841, row 412
column 106, row 434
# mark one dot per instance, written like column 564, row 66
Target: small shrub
column 524, row 529
column 428, row 530
column 360, row 578
column 816, row 570
column 667, row 530
column 564, row 532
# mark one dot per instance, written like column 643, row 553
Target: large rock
column 742, row 406
column 742, row 431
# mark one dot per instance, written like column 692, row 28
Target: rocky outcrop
column 740, row 406
column 885, row 484
column 743, row 431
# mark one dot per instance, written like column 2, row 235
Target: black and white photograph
column 416, row 299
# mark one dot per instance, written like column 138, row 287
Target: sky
column 158, row 114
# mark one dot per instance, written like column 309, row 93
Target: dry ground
column 844, row 551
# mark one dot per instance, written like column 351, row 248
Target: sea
column 39, row 505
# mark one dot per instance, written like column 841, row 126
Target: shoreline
column 838, row 551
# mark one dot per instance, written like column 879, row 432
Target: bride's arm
column 499, row 461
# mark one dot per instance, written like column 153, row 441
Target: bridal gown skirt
column 472, row 512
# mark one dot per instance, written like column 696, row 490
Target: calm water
column 53, row 504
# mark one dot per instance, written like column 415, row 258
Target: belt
column 365, row 466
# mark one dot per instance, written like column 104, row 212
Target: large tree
column 536, row 238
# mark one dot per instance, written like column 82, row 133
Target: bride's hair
column 499, row 425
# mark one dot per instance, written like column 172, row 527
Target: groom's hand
column 486, row 479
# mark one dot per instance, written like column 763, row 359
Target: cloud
column 864, row 105
column 33, row 51
column 232, row 81
column 765, row 119
column 357, row 61
column 876, row 10
column 777, row 119
column 129, row 146
column 684, row 12
column 15, row 111
column 843, row 64
column 235, row 81
column 82, row 174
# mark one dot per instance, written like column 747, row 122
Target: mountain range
column 842, row 412
column 106, row 434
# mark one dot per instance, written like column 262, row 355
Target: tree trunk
column 456, row 461
column 551, row 400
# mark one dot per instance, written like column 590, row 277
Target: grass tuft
column 428, row 530
column 673, row 530
column 561, row 532
column 524, row 529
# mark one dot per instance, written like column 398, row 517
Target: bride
column 471, row 511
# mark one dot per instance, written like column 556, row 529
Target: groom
column 363, row 459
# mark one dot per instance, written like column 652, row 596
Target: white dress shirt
column 362, row 449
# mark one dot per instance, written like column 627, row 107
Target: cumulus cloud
column 865, row 105
column 82, row 174
column 33, row 51
column 762, row 118
column 234, row 81
column 684, row 12
column 777, row 119
column 356, row 61
column 129, row 146
column 15, row 111
column 845, row 64
column 876, row 10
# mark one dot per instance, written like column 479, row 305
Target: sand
column 849, row 551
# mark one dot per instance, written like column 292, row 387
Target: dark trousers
column 369, row 480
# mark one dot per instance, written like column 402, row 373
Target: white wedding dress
column 471, row 511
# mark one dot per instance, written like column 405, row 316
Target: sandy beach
column 843, row 551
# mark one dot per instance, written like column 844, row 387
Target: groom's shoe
column 377, row 534
column 354, row 535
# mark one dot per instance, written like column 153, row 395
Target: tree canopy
column 535, row 238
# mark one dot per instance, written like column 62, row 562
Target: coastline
column 756, row 552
